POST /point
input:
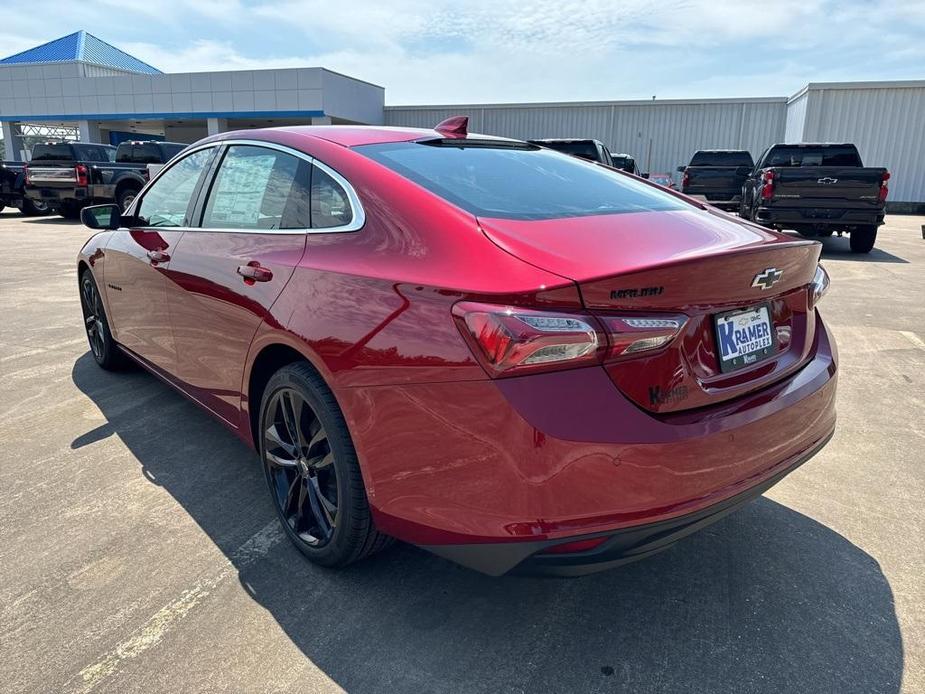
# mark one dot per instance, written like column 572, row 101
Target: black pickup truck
column 67, row 176
column 716, row 176
column 12, row 190
column 817, row 189
column 592, row 150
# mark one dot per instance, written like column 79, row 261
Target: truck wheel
column 70, row 211
column 862, row 239
column 125, row 197
column 34, row 208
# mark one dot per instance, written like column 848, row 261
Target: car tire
column 125, row 197
column 103, row 348
column 312, row 470
column 862, row 239
column 31, row 208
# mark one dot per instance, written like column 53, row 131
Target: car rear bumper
column 514, row 465
column 819, row 217
column 58, row 196
column 620, row 547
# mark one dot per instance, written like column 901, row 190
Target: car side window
column 259, row 188
column 167, row 202
column 330, row 202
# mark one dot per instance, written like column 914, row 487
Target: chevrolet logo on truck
column 827, row 181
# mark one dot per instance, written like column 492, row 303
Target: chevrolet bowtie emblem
column 767, row 278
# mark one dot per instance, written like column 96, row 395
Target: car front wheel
column 102, row 346
column 312, row 470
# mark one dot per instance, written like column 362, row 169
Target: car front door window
column 167, row 202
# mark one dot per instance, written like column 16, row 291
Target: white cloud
column 500, row 50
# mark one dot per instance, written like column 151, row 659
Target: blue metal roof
column 80, row 46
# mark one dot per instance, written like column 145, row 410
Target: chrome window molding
column 358, row 214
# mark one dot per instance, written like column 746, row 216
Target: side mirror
column 101, row 216
column 644, row 175
column 681, row 169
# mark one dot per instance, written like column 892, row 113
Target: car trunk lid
column 696, row 265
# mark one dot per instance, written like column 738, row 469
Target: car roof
column 355, row 135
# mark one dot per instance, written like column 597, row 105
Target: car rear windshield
column 58, row 151
column 813, row 156
column 586, row 150
column 721, row 159
column 518, row 182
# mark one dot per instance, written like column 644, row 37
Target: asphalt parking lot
column 140, row 552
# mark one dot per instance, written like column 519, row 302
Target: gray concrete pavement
column 139, row 551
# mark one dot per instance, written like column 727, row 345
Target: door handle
column 158, row 256
column 254, row 272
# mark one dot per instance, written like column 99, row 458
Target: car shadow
column 51, row 220
column 766, row 600
column 838, row 248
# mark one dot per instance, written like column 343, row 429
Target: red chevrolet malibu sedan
column 513, row 358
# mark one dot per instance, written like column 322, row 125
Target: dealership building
column 105, row 95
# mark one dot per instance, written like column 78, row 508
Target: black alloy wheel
column 312, row 470
column 300, row 468
column 102, row 346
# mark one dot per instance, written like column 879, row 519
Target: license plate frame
column 750, row 357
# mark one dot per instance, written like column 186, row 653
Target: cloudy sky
column 457, row 51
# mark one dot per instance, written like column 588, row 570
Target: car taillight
column 884, row 190
column 767, row 187
column 629, row 335
column 512, row 340
column 81, row 171
column 819, row 286
column 685, row 179
column 508, row 340
column 26, row 175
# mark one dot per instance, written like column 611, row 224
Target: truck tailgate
column 824, row 185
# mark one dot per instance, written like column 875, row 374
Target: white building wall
column 41, row 91
column 661, row 134
column 796, row 117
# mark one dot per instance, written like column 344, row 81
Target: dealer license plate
column 743, row 337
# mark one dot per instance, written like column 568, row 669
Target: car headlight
column 820, row 284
